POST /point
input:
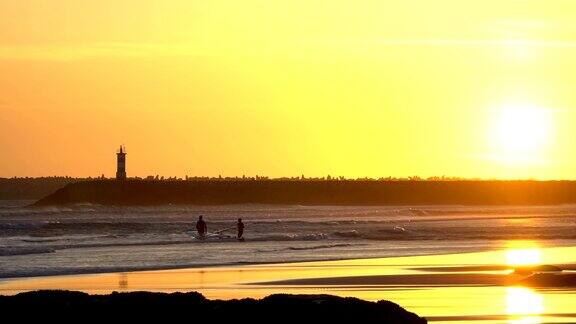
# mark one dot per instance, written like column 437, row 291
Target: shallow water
column 92, row 238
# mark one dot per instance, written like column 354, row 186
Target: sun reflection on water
column 524, row 306
column 523, row 257
column 523, row 253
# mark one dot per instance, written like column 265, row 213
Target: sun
column 522, row 129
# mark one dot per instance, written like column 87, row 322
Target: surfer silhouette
column 201, row 227
column 240, row 227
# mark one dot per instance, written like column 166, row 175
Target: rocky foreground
column 70, row 306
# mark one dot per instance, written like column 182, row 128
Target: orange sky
column 352, row 88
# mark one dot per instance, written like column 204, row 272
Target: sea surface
column 92, row 238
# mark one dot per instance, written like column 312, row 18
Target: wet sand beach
column 483, row 287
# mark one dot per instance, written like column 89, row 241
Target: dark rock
column 68, row 306
column 536, row 268
column 550, row 280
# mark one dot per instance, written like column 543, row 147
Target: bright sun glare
column 520, row 257
column 523, row 129
column 525, row 305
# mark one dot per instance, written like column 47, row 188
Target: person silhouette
column 201, row 227
column 240, row 227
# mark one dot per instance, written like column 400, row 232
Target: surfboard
column 209, row 236
column 218, row 235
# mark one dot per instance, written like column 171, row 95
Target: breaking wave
column 92, row 237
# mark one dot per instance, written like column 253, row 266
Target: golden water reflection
column 523, row 257
column 122, row 281
column 524, row 305
column 523, row 253
column 441, row 299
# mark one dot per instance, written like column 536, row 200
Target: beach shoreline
column 425, row 259
column 429, row 285
column 215, row 265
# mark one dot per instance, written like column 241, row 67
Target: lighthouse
column 121, row 164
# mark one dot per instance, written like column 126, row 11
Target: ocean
column 92, row 238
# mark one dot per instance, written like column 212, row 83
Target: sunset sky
column 282, row 88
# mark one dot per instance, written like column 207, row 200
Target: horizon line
column 293, row 178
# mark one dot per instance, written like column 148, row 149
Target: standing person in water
column 201, row 227
column 240, row 226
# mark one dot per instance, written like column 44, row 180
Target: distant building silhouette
column 121, row 164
